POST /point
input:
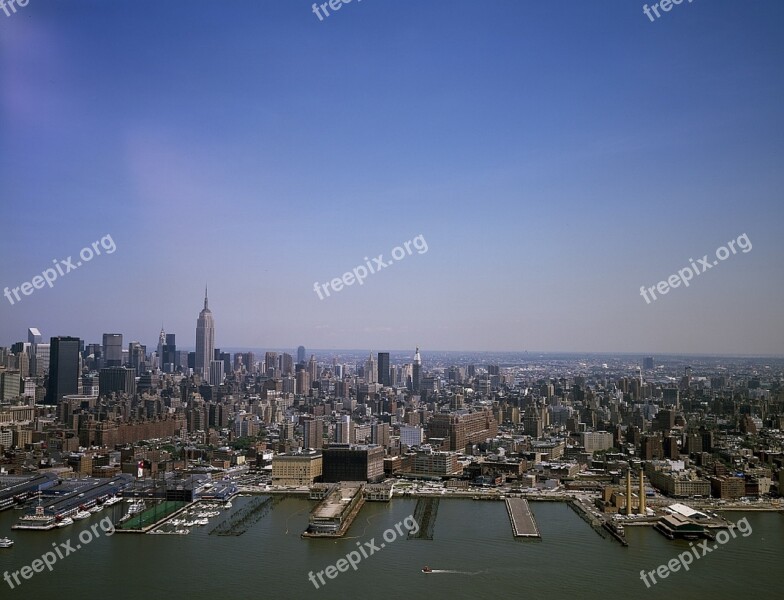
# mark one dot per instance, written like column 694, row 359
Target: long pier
column 523, row 524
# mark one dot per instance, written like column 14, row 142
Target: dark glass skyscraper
column 301, row 354
column 383, row 369
column 63, row 368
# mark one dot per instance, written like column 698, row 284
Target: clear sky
column 555, row 156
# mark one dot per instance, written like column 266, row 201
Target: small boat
column 82, row 514
column 97, row 508
column 227, row 505
column 65, row 522
column 6, row 543
column 113, row 500
column 136, row 507
column 427, row 569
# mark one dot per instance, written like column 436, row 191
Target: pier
column 334, row 514
column 523, row 524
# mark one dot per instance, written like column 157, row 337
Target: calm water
column 472, row 539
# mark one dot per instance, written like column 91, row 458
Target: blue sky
column 556, row 156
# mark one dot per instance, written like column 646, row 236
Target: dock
column 334, row 514
column 523, row 524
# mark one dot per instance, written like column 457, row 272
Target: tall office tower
column 301, row 354
column 371, row 369
column 493, row 370
column 159, row 350
column 313, row 368
column 250, row 362
column 338, row 369
column 205, row 339
column 137, row 357
column 313, row 433
column 216, row 372
column 379, row 434
column 343, row 430
column 303, row 382
column 286, row 364
column 271, row 364
column 63, row 368
column 42, row 355
column 112, row 349
column 34, row 338
column 117, row 379
column 647, row 363
column 383, row 369
column 168, row 362
column 416, row 376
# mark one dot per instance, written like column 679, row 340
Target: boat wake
column 453, row 572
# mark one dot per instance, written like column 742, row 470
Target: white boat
column 65, row 522
column 227, row 505
column 82, row 514
column 202, row 521
column 136, row 507
column 6, row 543
column 112, row 501
column 96, row 508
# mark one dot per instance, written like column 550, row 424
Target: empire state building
column 205, row 339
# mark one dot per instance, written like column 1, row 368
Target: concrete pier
column 523, row 524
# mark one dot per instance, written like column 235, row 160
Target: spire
column 205, row 297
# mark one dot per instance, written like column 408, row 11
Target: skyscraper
column 301, row 354
column 416, row 376
column 371, row 369
column 112, row 349
column 205, row 339
column 63, row 368
column 169, row 354
column 383, row 369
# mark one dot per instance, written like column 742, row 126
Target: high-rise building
column 301, row 354
column 313, row 368
column 379, row 434
column 112, row 349
column 411, row 435
column 371, row 369
column 137, row 357
column 168, row 357
column 205, row 339
column 271, row 364
column 118, row 380
column 343, row 430
column 286, row 364
column 647, row 363
column 383, row 369
column 313, row 433
column 416, row 376
column 216, row 372
column 63, row 368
